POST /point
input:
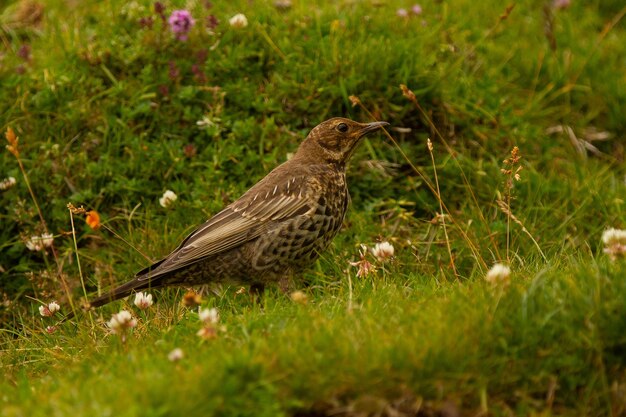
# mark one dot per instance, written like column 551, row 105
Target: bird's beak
column 370, row 127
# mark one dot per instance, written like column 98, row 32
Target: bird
column 276, row 229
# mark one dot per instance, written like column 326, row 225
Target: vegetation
column 506, row 147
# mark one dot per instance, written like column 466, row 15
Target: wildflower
column 561, row 4
column 207, row 333
column 175, row 355
column 24, row 52
column 209, row 316
column 190, row 150
column 238, row 21
column 173, row 72
column 143, row 301
column 13, row 141
column 49, row 310
column 191, row 299
column 402, row 13
column 364, row 266
column 51, row 329
column 212, row 22
column 283, row 4
column 498, row 274
column 93, row 219
column 168, row 198
column 47, row 239
column 615, row 243
column 181, row 22
column 40, row 243
column 416, row 9
column 146, row 22
column 7, row 183
column 121, row 321
column 299, row 297
column 383, row 251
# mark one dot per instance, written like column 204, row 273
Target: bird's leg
column 256, row 290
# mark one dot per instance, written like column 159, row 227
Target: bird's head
column 335, row 140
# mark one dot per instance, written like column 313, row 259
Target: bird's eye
column 342, row 127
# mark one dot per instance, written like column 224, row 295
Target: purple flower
column 180, row 23
column 173, row 72
column 416, row 9
column 212, row 22
column 24, row 52
column 146, row 22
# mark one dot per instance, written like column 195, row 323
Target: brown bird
column 276, row 229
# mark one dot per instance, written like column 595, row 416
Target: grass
column 107, row 114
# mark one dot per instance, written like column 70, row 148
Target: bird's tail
column 122, row 291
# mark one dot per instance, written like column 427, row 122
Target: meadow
column 505, row 148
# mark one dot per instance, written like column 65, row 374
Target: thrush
column 273, row 231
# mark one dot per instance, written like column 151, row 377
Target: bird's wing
column 240, row 222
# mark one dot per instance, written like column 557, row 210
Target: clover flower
column 168, row 198
column 498, row 274
column 121, row 321
column 364, row 266
column 49, row 310
column 402, row 13
column 7, row 183
column 143, row 301
column 615, row 243
column 383, row 251
column 238, row 21
column 416, row 9
column 40, row 243
column 209, row 315
column 175, row 355
column 181, row 22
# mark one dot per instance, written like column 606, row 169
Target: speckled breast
column 295, row 244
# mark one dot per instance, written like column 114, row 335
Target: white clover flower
column 176, row 355
column 209, row 315
column 238, row 21
column 121, row 321
column 49, row 310
column 40, row 243
column 383, row 251
column 615, row 243
column 34, row 244
column 7, row 183
column 143, row 301
column 611, row 236
column 47, row 239
column 498, row 274
column 168, row 198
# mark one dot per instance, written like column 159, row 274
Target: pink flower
column 402, row 13
column 416, row 9
column 181, row 23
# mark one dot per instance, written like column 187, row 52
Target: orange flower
column 93, row 219
column 12, row 139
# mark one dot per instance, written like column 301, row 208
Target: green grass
column 107, row 114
